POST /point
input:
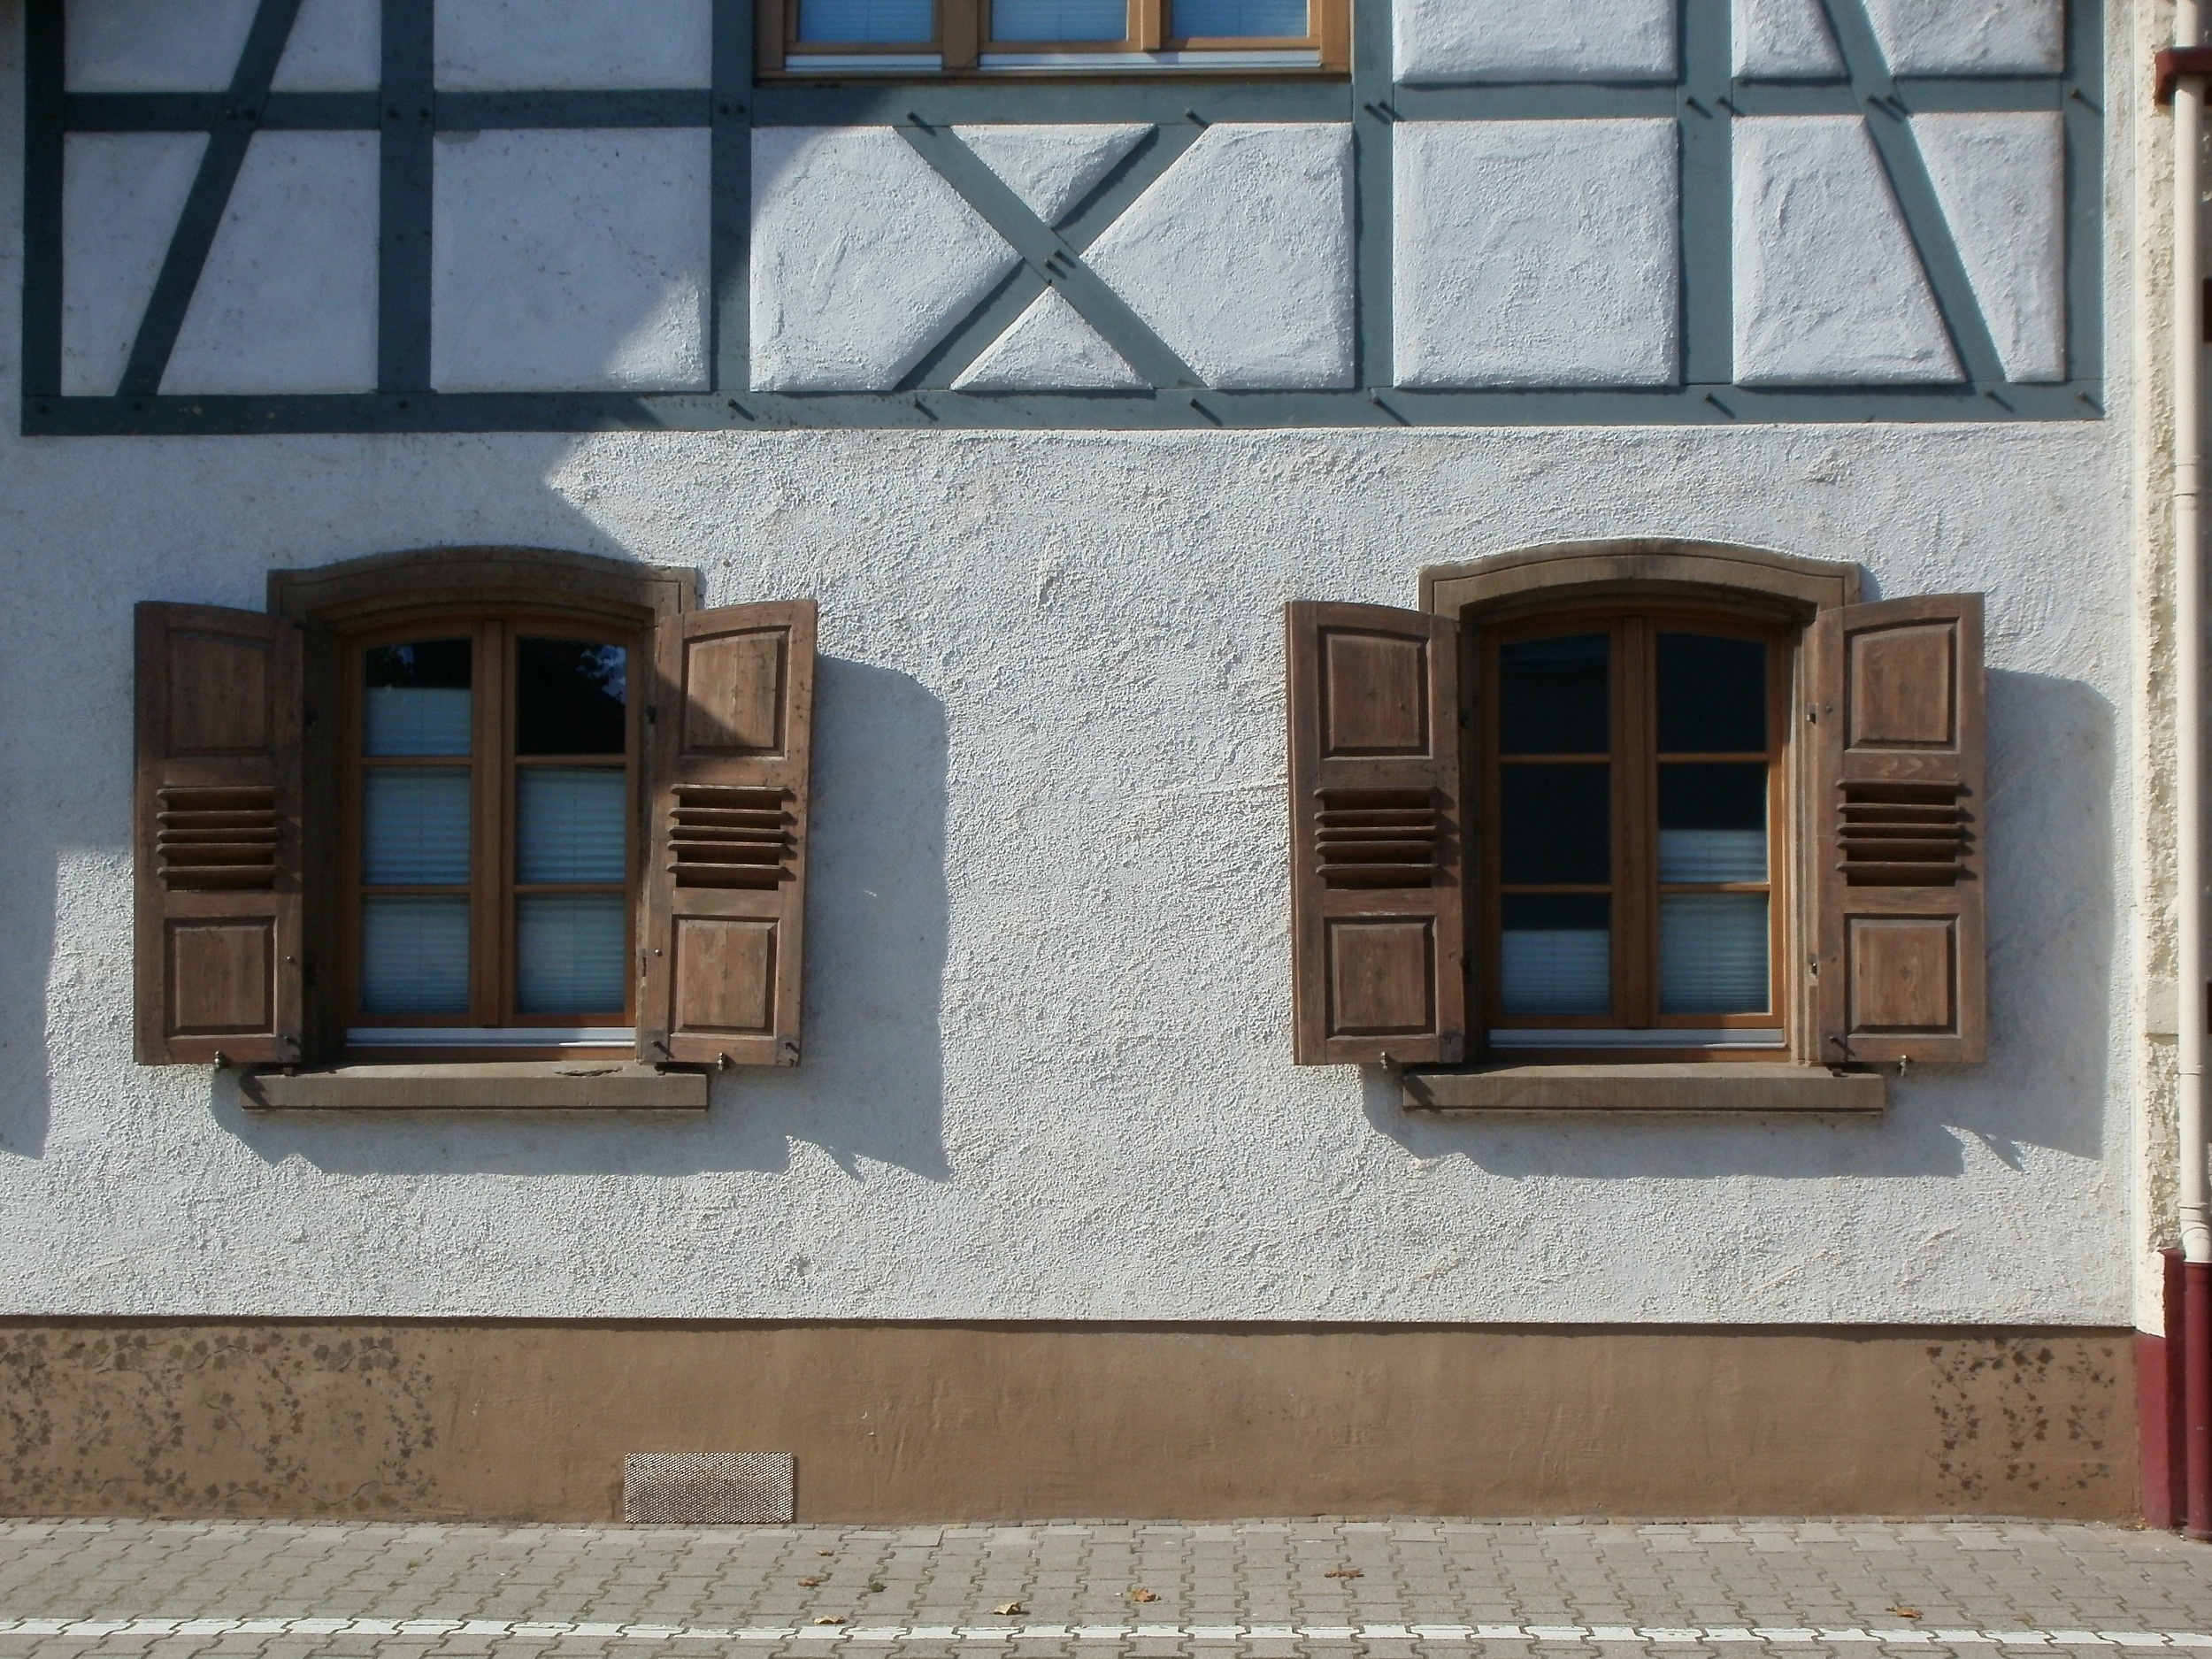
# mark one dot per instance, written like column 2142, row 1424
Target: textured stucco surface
column 570, row 261
column 1536, row 253
column 1047, row 980
column 288, row 299
column 1987, row 38
column 2001, row 180
column 487, row 45
column 1511, row 40
column 121, row 193
column 1052, row 168
column 1828, row 286
column 1050, row 345
column 154, row 45
column 1783, row 37
column 336, row 46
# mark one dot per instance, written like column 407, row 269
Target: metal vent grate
column 217, row 837
column 1902, row 835
column 1379, row 837
column 726, row 836
column 707, row 1488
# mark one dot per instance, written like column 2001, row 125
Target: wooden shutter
column 1378, row 898
column 218, row 837
column 1898, row 831
column 725, row 905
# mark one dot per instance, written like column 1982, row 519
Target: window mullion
column 1635, row 864
column 962, row 27
column 1148, row 24
column 488, row 910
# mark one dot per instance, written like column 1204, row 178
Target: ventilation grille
column 707, row 1488
column 209, row 838
column 1902, row 835
column 1379, row 837
column 723, row 836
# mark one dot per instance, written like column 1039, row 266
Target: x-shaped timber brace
column 409, row 111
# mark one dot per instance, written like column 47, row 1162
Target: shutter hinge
column 1812, row 714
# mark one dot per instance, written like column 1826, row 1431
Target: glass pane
column 1554, row 825
column 1713, row 953
column 415, row 827
column 571, row 825
column 1206, row 19
column 570, row 953
column 1059, row 21
column 571, row 697
column 1712, row 696
column 414, row 955
column 853, row 22
column 1712, row 823
column 416, row 699
column 1556, row 953
column 1552, row 696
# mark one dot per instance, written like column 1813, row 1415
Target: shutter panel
column 1378, row 898
column 724, row 901
column 218, row 837
column 1898, row 831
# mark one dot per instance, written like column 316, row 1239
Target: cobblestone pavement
column 230, row 1590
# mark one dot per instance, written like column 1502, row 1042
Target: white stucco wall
column 1048, row 1002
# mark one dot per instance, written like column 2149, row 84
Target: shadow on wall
column 872, row 1084
column 2052, row 890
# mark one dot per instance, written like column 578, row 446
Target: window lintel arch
column 1780, row 587
column 360, row 592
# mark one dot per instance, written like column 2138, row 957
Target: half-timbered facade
column 1027, row 758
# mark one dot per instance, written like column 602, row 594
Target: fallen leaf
column 875, row 1586
column 1010, row 1607
column 826, row 1552
column 1345, row 1572
column 1907, row 1612
column 829, row 1619
column 808, row 1584
column 1142, row 1595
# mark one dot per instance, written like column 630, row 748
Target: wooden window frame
column 963, row 37
column 1633, row 760
column 493, row 766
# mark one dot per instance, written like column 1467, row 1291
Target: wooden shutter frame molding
column 217, row 847
column 1378, row 889
column 722, row 920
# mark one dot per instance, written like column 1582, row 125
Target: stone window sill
column 573, row 1085
column 1677, row 1087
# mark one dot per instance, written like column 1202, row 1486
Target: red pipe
column 2158, row 1394
column 2197, row 1406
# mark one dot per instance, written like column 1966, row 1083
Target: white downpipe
column 2189, row 683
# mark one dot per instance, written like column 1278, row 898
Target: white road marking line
column 873, row 1635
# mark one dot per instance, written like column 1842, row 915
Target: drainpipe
column 2189, row 690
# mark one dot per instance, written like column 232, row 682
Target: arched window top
column 357, row 591
column 1781, row 585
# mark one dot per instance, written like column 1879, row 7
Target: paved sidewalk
column 105, row 1589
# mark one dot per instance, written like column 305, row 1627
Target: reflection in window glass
column 1059, row 21
column 571, row 952
column 571, row 825
column 1556, row 953
column 1712, row 823
column 1712, row 696
column 1713, row 953
column 1211, row 19
column 415, row 827
column 414, row 955
column 571, row 697
column 416, row 699
column 858, row 22
column 1552, row 696
column 1554, row 825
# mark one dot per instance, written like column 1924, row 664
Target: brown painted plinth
column 913, row 1422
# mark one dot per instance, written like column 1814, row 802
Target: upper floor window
column 1068, row 36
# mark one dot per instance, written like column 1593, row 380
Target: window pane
column 1552, row 696
column 1059, row 21
column 1556, row 953
column 416, row 699
column 1712, row 823
column 570, row 953
column 1555, row 825
column 414, row 955
column 415, row 827
column 852, row 22
column 1204, row 19
column 1713, row 953
column 1712, row 696
column 571, row 697
column 571, row 825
